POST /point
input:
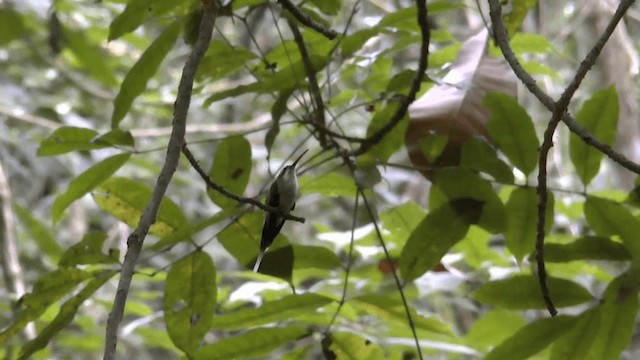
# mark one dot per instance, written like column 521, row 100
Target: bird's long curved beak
column 299, row 157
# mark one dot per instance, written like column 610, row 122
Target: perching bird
column 282, row 195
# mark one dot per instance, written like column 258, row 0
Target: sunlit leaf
column 392, row 141
column 85, row 182
column 271, row 311
column 11, row 25
column 189, row 300
column 331, row 184
column 349, row 346
column 598, row 116
column 252, row 343
column 91, row 56
column 88, row 251
column 513, row 20
column 532, row 338
column 145, row 68
column 512, row 129
column 69, row 138
column 126, row 199
column 522, row 292
column 611, row 218
column 222, row 59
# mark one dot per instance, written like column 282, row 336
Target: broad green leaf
column 185, row 233
column 512, row 129
column 394, row 139
column 68, row 138
column 282, row 309
column 604, row 331
column 349, row 346
column 389, row 308
column 315, row 257
column 88, row 251
column 611, row 218
column 328, row 7
column 513, row 20
column 522, row 221
column 478, row 155
column 222, row 59
column 85, row 182
column 521, row 292
column 65, row 316
column 91, row 56
column 189, row 300
column 116, row 138
column 528, row 43
column 532, row 338
column 40, row 233
column 401, row 221
column 598, row 116
column 126, row 199
column 11, row 26
column 473, row 193
column 500, row 323
column 432, row 238
column 145, row 68
column 129, row 20
column 231, row 169
column 354, row 42
column 586, row 248
column 330, row 184
column 252, row 343
column 48, row 289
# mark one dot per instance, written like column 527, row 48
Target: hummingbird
column 282, row 195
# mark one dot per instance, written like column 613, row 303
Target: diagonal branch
column 559, row 110
column 242, row 200
column 423, row 62
column 136, row 239
column 307, row 20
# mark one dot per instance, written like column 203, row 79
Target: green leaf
column 116, row 138
column 129, row 20
column 252, row 343
column 40, row 233
column 521, row 292
column 532, row 338
column 328, row 7
column 126, row 199
column 273, row 311
column 231, row 169
column 88, row 251
column 48, row 289
column 500, row 323
column 65, row 316
column 602, row 332
column 330, row 184
column 223, row 59
column 598, row 116
column 611, row 218
column 189, row 300
column 513, row 20
column 528, row 43
column 522, row 223
column 68, row 138
column 349, row 346
column 145, row 68
column 389, row 308
column 91, row 56
column 586, row 248
column 478, row 155
column 11, row 26
column 315, row 257
column 432, row 238
column 85, row 182
column 402, row 220
column 512, row 129
column 465, row 185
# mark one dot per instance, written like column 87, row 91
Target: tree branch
column 242, row 200
column 559, row 110
column 136, row 239
column 307, row 20
column 423, row 62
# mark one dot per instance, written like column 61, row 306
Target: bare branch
column 136, row 239
column 415, row 84
column 307, row 20
column 242, row 200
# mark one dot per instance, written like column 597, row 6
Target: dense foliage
column 381, row 263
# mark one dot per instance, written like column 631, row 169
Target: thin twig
column 242, row 200
column 423, row 63
column 530, row 83
column 559, row 109
column 136, row 239
column 307, row 20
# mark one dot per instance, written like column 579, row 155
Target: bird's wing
column 272, row 222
